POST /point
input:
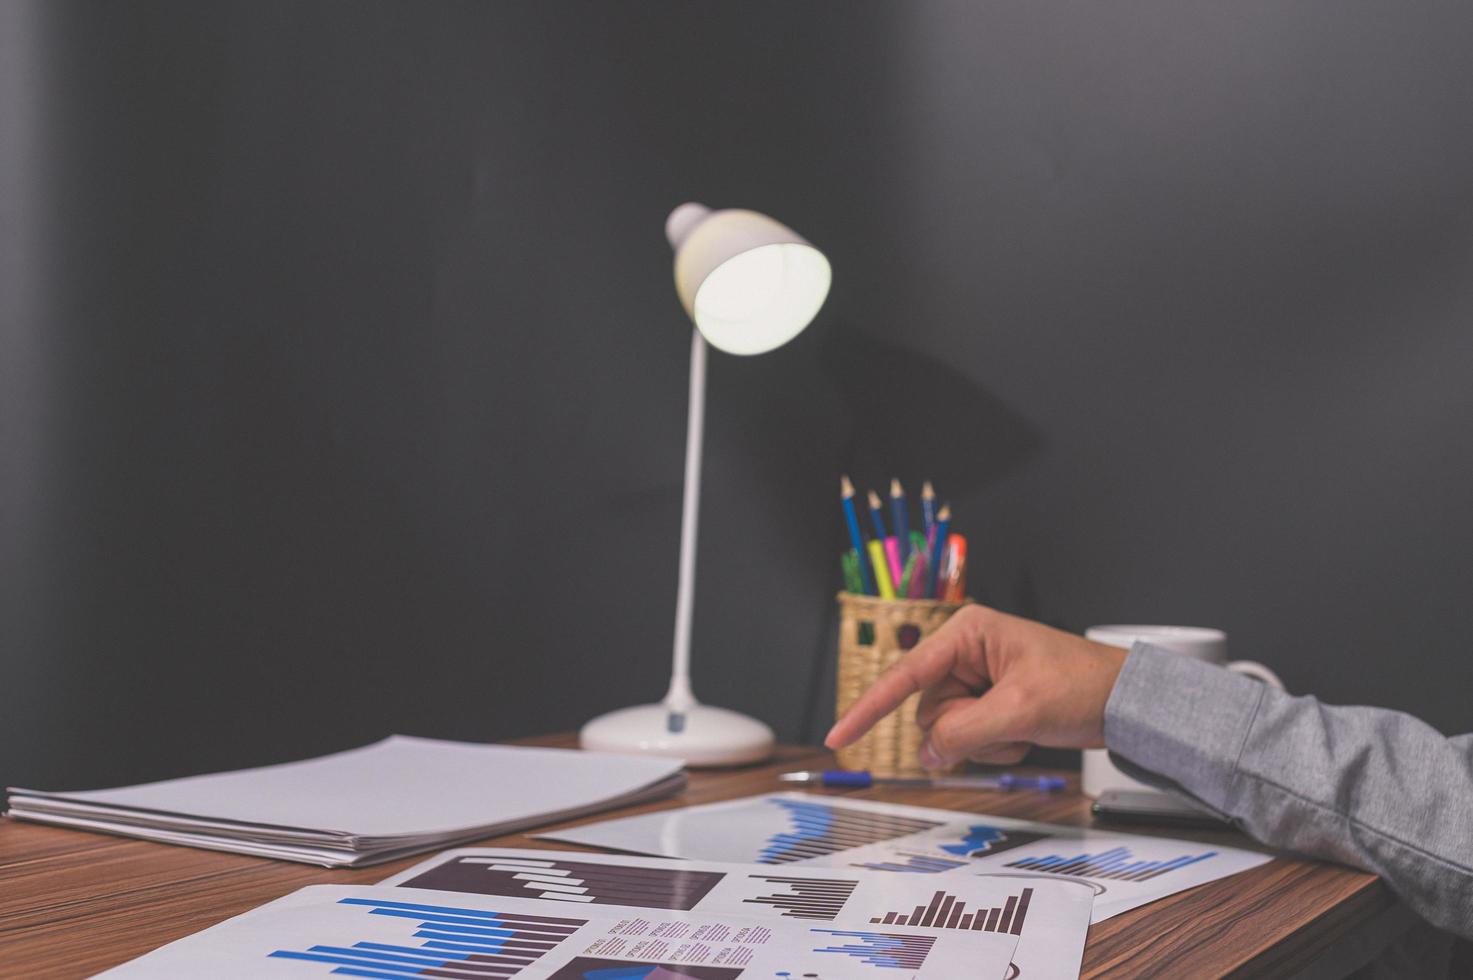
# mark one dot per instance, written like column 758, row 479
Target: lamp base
column 710, row 737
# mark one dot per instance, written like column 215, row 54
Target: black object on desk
column 1147, row 807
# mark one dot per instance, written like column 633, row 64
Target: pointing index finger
column 927, row 664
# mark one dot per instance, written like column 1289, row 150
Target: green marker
column 850, row 562
column 910, row 570
column 854, row 584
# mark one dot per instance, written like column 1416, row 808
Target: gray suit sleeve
column 1368, row 787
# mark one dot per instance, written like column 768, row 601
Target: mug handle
column 1257, row 671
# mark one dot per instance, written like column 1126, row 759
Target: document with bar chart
column 1056, row 910
column 387, row 933
column 1125, row 871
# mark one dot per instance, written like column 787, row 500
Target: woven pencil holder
column 897, row 625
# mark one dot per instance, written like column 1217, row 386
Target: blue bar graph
column 1117, row 863
column 816, row 829
column 914, row 863
column 497, row 945
column 882, row 949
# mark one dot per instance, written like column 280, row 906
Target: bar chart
column 914, row 863
column 806, row 898
column 946, row 912
column 1117, row 863
column 816, row 829
column 574, row 882
column 459, row 944
column 880, row 949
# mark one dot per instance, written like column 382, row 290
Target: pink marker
column 892, row 554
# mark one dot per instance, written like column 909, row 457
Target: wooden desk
column 74, row 903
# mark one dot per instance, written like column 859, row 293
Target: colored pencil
column 943, row 525
column 928, row 507
column 856, row 540
column 881, row 570
column 901, row 520
column 876, row 516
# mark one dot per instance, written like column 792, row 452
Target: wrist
column 1110, row 661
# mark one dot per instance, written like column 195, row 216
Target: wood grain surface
column 74, row 903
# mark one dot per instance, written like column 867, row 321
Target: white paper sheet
column 1050, row 916
column 399, row 787
column 1124, row 870
column 389, row 933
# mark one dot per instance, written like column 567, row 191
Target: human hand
column 991, row 685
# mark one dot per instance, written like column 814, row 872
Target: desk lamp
column 749, row 284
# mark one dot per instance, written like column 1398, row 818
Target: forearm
column 1369, row 787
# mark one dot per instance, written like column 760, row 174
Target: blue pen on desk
column 858, row 779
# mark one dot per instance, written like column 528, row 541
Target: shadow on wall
column 916, row 416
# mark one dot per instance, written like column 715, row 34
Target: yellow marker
column 882, row 569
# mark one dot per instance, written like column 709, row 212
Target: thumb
column 982, row 727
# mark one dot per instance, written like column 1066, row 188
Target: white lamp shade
column 749, row 283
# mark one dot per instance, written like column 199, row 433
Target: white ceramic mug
column 1190, row 641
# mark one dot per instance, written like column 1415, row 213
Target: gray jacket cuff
column 1182, row 721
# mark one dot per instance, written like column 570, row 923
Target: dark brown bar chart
column 945, row 912
column 806, row 898
column 571, row 881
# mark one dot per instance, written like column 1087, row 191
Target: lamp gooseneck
column 680, row 699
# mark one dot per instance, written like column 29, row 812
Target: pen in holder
column 874, row 633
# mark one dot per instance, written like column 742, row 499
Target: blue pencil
column 943, row 527
column 866, row 574
column 928, row 508
column 902, row 526
column 877, row 517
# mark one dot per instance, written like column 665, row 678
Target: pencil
column 877, row 515
column 877, row 518
column 902, row 523
column 943, row 525
column 928, row 507
column 846, row 493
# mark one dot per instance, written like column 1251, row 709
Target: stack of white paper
column 396, row 797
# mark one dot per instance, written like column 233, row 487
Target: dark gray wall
column 344, row 382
